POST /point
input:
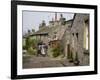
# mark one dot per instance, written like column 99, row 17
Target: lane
column 42, row 62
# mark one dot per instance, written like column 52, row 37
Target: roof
column 43, row 30
column 54, row 28
column 51, row 29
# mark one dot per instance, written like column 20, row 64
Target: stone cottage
column 76, row 38
column 72, row 35
column 80, row 36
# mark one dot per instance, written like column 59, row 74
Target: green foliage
column 27, row 43
column 56, row 51
column 31, row 45
column 32, row 51
column 70, row 57
column 76, row 57
column 76, row 62
column 33, row 30
column 31, row 42
column 24, row 47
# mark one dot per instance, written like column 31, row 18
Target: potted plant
column 76, row 62
column 71, row 57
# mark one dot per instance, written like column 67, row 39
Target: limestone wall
column 77, row 35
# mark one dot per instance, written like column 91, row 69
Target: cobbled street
column 42, row 62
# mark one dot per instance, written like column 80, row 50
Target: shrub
column 56, row 52
column 31, row 42
column 70, row 57
column 76, row 62
column 76, row 57
column 32, row 51
column 24, row 47
column 31, row 45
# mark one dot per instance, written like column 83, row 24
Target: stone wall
column 77, row 35
column 66, row 40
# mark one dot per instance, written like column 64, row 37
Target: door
column 68, row 51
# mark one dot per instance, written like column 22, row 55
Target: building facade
column 76, row 38
column 72, row 35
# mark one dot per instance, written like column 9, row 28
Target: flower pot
column 70, row 60
column 76, row 62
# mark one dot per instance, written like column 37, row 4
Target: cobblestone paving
column 43, row 62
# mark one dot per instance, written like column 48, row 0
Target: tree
column 27, row 42
column 33, row 30
column 29, row 31
column 43, row 23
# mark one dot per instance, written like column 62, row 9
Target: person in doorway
column 39, row 46
column 44, row 49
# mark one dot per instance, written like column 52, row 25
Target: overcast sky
column 32, row 19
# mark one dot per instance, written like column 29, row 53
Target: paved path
column 42, row 62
